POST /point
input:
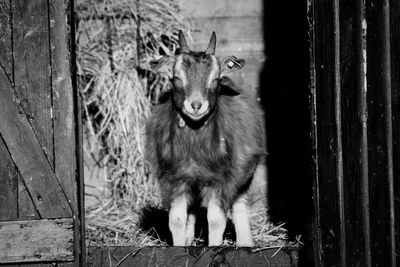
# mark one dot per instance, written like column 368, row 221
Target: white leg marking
column 216, row 222
column 240, row 217
column 177, row 221
column 190, row 226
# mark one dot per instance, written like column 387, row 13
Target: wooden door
column 355, row 70
column 39, row 171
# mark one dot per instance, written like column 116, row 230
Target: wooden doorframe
column 82, row 258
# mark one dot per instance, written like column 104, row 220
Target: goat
column 204, row 144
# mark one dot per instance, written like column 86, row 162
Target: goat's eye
column 177, row 80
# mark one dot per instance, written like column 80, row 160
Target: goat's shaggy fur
column 205, row 143
column 222, row 154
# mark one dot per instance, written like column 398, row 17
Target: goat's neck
column 182, row 123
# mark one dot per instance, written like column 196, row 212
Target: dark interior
column 284, row 92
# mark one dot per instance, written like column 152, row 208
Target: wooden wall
column 238, row 25
column 355, row 95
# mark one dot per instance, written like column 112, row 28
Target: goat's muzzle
column 196, row 109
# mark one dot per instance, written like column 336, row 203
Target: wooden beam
column 380, row 133
column 66, row 124
column 354, row 133
column 236, row 34
column 26, row 209
column 8, row 171
column 8, row 186
column 31, row 53
column 29, row 157
column 33, row 81
column 221, row 8
column 190, row 256
column 5, row 38
column 36, row 241
column 395, row 72
column 328, row 187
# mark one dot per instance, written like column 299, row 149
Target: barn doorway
column 273, row 51
column 333, row 160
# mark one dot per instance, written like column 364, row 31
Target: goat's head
column 196, row 77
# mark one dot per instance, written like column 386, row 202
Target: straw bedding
column 109, row 35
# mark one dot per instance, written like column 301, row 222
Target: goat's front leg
column 240, row 218
column 177, row 220
column 216, row 222
column 190, row 227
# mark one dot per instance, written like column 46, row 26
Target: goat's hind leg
column 177, row 220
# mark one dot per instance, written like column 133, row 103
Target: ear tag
column 181, row 123
column 230, row 64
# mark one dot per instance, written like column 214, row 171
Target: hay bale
column 109, row 35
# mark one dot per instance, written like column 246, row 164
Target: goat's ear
column 163, row 65
column 229, row 87
column 231, row 63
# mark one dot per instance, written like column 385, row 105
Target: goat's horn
column 211, row 45
column 182, row 42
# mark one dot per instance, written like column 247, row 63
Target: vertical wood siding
column 238, row 25
column 395, row 90
column 355, row 59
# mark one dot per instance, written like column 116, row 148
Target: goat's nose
column 196, row 105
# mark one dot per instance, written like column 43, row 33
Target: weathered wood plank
column 8, row 171
column 29, row 157
column 380, row 133
column 26, row 208
column 233, row 34
column 64, row 124
column 8, row 186
column 395, row 72
column 32, row 68
column 354, row 132
column 53, row 264
column 327, row 94
column 5, row 37
column 65, row 141
column 191, row 256
column 221, row 8
column 32, row 85
column 36, row 240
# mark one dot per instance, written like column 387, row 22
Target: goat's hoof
column 189, row 241
column 245, row 243
column 215, row 244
